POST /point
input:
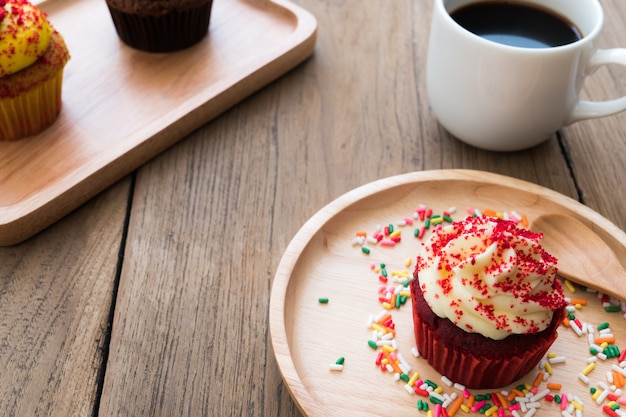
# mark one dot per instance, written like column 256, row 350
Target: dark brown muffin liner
column 172, row 31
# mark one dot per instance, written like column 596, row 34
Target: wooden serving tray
column 321, row 261
column 122, row 107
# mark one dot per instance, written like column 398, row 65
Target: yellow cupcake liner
column 32, row 111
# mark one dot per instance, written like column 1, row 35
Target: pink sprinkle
column 408, row 221
column 466, row 393
column 478, row 405
column 563, row 401
column 388, row 243
column 438, row 410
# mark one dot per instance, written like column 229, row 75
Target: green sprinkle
column 447, row 219
column 416, row 232
column 383, row 266
column 593, row 351
column 404, row 377
column 592, row 390
column 372, row 344
column 430, row 383
column 365, row 250
column 435, row 400
column 403, row 299
column 557, row 399
column 427, row 223
column 384, row 272
column 571, row 316
column 603, row 326
column 484, row 408
column 390, row 227
column 323, row 300
column 612, row 309
column 422, row 405
column 340, row 361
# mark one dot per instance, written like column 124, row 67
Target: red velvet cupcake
column 486, row 302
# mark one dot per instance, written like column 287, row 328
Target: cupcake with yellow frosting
column 32, row 58
column 486, row 302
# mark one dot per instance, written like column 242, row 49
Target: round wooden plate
column 322, row 262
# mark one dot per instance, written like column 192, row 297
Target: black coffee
column 517, row 24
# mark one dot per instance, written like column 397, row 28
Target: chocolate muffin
column 160, row 25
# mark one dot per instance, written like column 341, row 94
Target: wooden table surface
column 152, row 298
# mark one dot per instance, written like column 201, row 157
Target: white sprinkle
column 557, row 359
column 335, row 367
column 602, row 356
column 409, row 389
column 381, row 315
column 540, row 395
column 415, row 352
column 609, row 377
column 602, row 397
column 583, row 378
column 592, row 359
column 458, row 386
column 596, row 347
column 437, row 396
column 446, row 380
column 575, row 328
column 531, row 412
column 357, row 241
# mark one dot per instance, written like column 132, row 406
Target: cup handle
column 586, row 109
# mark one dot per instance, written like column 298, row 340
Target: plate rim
column 302, row 238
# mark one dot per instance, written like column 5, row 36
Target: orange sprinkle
column 553, row 386
column 618, row 379
column 454, row 407
column 524, row 221
column 566, row 322
column 384, row 319
column 489, row 213
column 600, row 340
column 580, row 301
column 503, row 402
column 361, row 234
column 470, row 401
column 538, row 379
column 515, row 393
column 394, row 365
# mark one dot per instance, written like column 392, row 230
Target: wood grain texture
column 122, row 106
column 56, row 296
column 212, row 216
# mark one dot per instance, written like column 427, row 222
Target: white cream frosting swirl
column 488, row 276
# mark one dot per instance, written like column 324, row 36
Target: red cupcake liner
column 477, row 372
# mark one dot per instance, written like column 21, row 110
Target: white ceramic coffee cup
column 507, row 98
